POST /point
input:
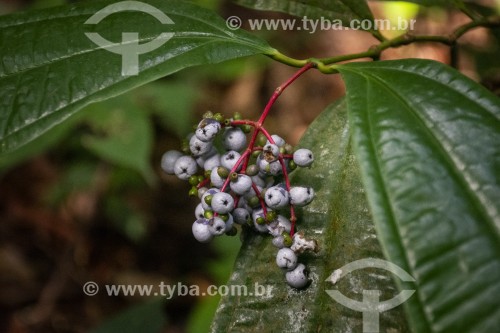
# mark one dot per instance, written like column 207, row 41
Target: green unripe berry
column 256, row 153
column 208, row 199
column 237, row 116
column 193, row 192
column 282, row 150
column 222, row 172
column 208, row 214
column 224, row 217
column 193, row 180
column 261, row 140
column 208, row 114
column 246, row 128
column 271, row 216
column 252, row 170
column 287, row 240
column 227, row 122
column 200, row 179
column 253, row 202
column 219, row 117
column 260, row 220
column 233, row 176
column 292, row 165
column 208, row 173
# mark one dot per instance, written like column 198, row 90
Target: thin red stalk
column 234, row 168
column 261, row 199
column 280, row 89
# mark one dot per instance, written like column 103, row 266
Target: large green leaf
column 428, row 142
column 340, row 221
column 50, row 68
column 344, row 10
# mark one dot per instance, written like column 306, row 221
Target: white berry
column 229, row 159
column 286, row 259
column 241, row 215
column 241, row 185
column 207, row 129
column 201, row 231
column 276, row 197
column 217, row 226
column 303, row 157
column 301, row 196
column 198, row 147
column 234, row 139
column 298, row 277
column 185, row 167
column 168, row 161
column 222, row 203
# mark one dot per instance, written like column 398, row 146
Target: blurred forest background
column 88, row 201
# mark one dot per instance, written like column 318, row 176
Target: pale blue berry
column 301, row 195
column 303, row 157
column 212, row 162
column 201, row 231
column 229, row 159
column 278, row 141
column 215, row 179
column 298, row 278
column 276, row 197
column 270, row 152
column 279, row 241
column 222, row 203
column 185, row 167
column 168, row 161
column 199, row 212
column 286, row 259
column 198, row 147
column 279, row 226
column 217, row 226
column 241, row 185
column 241, row 216
column 256, row 213
column 234, row 139
column 207, row 129
column 211, row 192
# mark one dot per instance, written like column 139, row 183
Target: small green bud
column 200, row 179
column 224, row 217
column 193, row 180
column 288, row 148
column 208, row 114
column 256, row 153
column 260, row 220
column 222, row 172
column 292, row 165
column 208, row 214
column 252, row 170
column 219, row 117
column 282, row 150
column 287, row 240
column 253, row 202
column 246, row 128
column 233, row 176
column 261, row 140
column 193, row 192
column 271, row 216
column 208, row 173
column 208, row 199
column 237, row 116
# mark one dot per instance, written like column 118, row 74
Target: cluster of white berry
column 245, row 184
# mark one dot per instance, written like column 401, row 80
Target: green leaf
column 122, row 134
column 50, row 69
column 428, row 142
column 148, row 317
column 339, row 220
column 343, row 10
